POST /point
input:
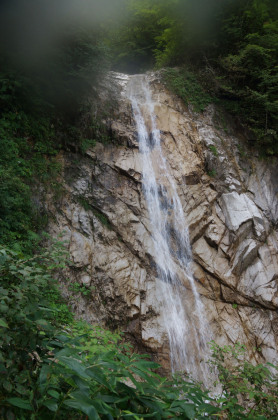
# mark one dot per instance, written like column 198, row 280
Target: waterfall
column 184, row 316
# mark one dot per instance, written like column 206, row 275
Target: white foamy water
column 184, row 316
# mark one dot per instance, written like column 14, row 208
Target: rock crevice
column 231, row 205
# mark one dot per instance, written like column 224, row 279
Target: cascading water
column 184, row 315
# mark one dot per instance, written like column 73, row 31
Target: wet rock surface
column 231, row 205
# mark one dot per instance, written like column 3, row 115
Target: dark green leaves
column 185, row 84
column 84, row 370
column 244, row 384
column 83, row 404
column 3, row 322
column 19, row 402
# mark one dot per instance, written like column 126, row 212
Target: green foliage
column 90, row 129
column 212, row 173
column 148, row 31
column 51, row 370
column 25, row 314
column 80, row 288
column 99, row 215
column 84, row 203
column 54, row 367
column 251, row 74
column 102, row 218
column 38, row 109
column 98, row 128
column 58, row 305
column 245, row 74
column 187, row 87
column 28, row 153
column 76, row 381
column 87, row 144
column 230, row 46
column 213, row 150
column 248, row 391
column 241, row 150
column 94, row 339
column 77, row 64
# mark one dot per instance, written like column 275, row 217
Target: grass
column 185, row 84
column 103, row 219
column 99, row 215
column 213, row 150
column 212, row 173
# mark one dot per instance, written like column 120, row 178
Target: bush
column 184, row 84
column 248, row 391
column 54, row 367
column 57, row 368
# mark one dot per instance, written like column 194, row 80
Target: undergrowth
column 185, row 84
column 53, row 367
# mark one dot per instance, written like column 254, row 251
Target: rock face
column 231, row 205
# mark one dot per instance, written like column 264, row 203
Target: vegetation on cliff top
column 231, row 46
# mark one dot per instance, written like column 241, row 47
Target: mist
column 202, row 17
column 31, row 28
column 54, row 48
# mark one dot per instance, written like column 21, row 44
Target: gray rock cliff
column 230, row 200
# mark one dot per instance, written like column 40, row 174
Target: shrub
column 185, row 84
column 248, row 391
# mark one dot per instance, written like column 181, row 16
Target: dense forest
column 230, row 48
column 53, row 59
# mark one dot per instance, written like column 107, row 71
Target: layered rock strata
column 231, row 205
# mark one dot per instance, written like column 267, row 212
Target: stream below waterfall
column 184, row 316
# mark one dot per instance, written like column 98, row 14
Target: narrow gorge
column 172, row 228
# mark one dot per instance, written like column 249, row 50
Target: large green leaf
column 126, row 390
column 42, row 323
column 84, row 404
column 53, row 393
column 136, row 416
column 51, row 405
column 75, row 365
column 19, row 402
column 143, row 375
column 98, row 376
column 113, row 399
column 151, row 403
column 82, row 384
column 3, row 323
column 43, row 377
column 187, row 409
column 146, row 365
